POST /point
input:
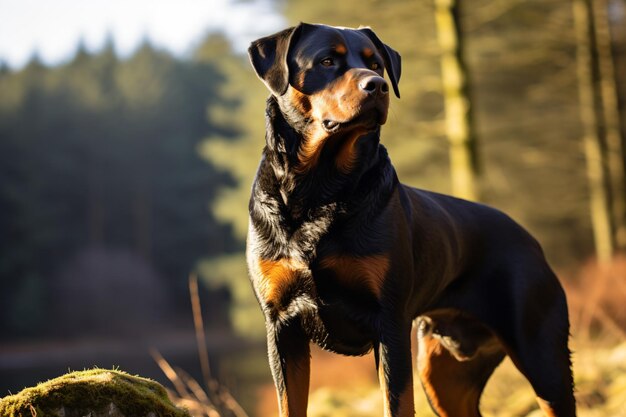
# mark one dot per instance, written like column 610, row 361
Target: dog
column 340, row 253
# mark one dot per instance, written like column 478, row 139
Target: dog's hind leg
column 456, row 357
column 538, row 346
column 524, row 305
column 546, row 363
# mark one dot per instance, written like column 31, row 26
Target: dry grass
column 212, row 400
column 596, row 298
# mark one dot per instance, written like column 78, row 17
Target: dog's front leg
column 290, row 359
column 395, row 369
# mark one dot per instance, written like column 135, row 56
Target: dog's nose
column 374, row 85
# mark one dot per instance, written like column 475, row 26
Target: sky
column 54, row 28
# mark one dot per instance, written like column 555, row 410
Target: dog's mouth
column 368, row 120
column 331, row 126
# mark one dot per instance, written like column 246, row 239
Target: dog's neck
column 285, row 137
column 324, row 187
column 287, row 203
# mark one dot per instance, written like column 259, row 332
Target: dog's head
column 329, row 79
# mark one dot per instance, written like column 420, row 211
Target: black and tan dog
column 341, row 254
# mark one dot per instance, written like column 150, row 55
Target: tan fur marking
column 283, row 405
column 294, row 400
column 276, row 276
column 449, row 395
column 383, row 386
column 368, row 52
column 347, row 155
column 310, row 150
column 547, row 409
column 297, row 385
column 300, row 80
column 341, row 49
column 300, row 101
column 406, row 403
column 357, row 271
column 338, row 101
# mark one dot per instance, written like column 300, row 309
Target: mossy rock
column 94, row 393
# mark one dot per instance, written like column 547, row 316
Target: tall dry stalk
column 215, row 400
column 199, row 330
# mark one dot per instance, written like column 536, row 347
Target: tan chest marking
column 347, row 156
column 369, row 271
column 276, row 277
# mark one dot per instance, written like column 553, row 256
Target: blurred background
column 129, row 137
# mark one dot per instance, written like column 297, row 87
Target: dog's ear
column 390, row 56
column 268, row 56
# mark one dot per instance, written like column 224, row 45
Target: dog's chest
column 335, row 301
column 353, row 273
column 312, row 269
column 349, row 290
column 353, row 281
column 336, row 296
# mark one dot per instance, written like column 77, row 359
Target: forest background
column 119, row 176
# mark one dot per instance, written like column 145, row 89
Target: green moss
column 92, row 390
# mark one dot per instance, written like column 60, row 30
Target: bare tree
column 459, row 127
column 588, row 76
column 607, row 90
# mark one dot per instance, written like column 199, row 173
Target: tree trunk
column 587, row 70
column 459, row 128
column 611, row 118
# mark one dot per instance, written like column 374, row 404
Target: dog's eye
column 375, row 66
column 327, row 62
